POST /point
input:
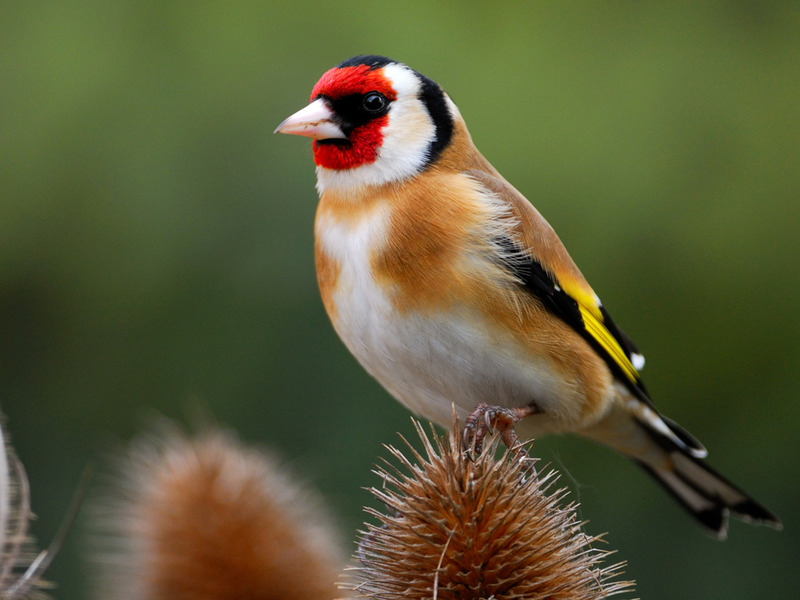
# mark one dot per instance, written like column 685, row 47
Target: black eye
column 374, row 102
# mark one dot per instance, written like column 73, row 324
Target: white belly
column 431, row 361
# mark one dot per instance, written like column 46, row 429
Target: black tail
column 707, row 495
column 675, row 459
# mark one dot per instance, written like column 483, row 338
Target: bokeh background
column 156, row 239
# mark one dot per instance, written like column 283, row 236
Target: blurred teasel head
column 21, row 568
column 207, row 517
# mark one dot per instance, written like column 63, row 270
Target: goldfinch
column 451, row 289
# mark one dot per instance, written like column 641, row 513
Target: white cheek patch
column 406, row 139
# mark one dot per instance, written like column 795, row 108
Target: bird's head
column 373, row 121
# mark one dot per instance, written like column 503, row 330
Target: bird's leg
column 486, row 417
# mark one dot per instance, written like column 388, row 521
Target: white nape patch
column 406, row 139
column 451, row 106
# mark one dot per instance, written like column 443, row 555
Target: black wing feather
column 536, row 280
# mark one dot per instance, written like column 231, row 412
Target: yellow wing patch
column 594, row 323
column 609, row 343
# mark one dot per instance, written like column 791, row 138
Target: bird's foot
column 486, row 418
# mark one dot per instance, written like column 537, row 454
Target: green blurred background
column 156, row 239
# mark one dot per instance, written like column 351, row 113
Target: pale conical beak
column 315, row 121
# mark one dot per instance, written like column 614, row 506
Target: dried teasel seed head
column 460, row 527
column 207, row 518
